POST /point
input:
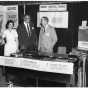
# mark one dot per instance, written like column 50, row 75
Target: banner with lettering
column 12, row 14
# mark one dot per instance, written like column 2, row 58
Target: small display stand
column 83, row 49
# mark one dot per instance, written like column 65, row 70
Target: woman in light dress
column 10, row 37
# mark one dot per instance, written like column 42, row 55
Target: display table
column 51, row 66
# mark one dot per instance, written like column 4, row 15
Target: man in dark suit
column 26, row 35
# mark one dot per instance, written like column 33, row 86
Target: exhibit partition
column 8, row 13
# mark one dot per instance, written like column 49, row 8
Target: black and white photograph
column 43, row 44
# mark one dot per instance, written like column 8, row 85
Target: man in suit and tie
column 26, row 35
column 47, row 37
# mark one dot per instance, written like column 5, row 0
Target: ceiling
column 36, row 2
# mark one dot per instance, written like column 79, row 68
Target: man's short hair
column 45, row 18
column 26, row 15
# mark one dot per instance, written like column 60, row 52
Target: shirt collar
column 46, row 26
column 25, row 23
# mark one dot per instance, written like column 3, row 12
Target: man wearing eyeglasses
column 26, row 35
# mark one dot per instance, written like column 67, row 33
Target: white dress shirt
column 28, row 30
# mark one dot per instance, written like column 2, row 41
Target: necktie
column 28, row 30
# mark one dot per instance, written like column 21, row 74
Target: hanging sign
column 54, row 7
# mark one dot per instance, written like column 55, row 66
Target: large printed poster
column 8, row 13
column 56, row 19
column 12, row 14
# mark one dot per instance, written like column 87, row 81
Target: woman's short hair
column 8, row 22
column 45, row 18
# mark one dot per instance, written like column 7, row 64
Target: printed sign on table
column 83, row 36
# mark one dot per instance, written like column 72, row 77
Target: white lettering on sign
column 54, row 7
